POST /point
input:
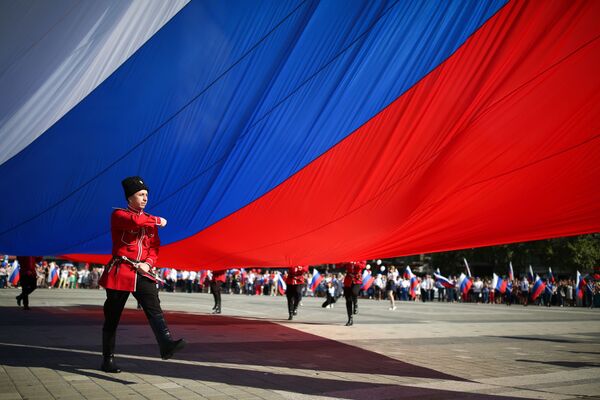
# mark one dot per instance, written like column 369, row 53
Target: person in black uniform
column 28, row 278
column 352, row 283
column 216, row 281
column 294, row 282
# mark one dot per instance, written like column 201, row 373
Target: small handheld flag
column 281, row 286
column 442, row 280
column 465, row 284
column 367, row 280
column 538, row 288
column 316, row 280
column 499, row 284
column 15, row 276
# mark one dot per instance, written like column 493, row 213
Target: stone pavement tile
column 422, row 330
column 10, row 396
column 529, row 394
column 590, row 389
column 184, row 394
column 167, row 385
column 152, row 392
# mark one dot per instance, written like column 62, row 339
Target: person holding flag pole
column 28, row 278
column 294, row 282
column 508, row 297
column 352, row 284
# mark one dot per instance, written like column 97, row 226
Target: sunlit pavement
column 419, row 351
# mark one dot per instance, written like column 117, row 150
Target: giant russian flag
column 285, row 132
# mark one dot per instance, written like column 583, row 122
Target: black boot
column 290, row 309
column 350, row 321
column 18, row 300
column 108, row 349
column 168, row 347
column 355, row 308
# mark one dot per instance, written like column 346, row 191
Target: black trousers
column 351, row 295
column 294, row 296
column 215, row 288
column 28, row 285
column 146, row 294
column 329, row 300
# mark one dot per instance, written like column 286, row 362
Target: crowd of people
column 387, row 284
column 67, row 276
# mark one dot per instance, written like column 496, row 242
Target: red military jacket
column 218, row 276
column 354, row 272
column 296, row 275
column 134, row 235
column 27, row 265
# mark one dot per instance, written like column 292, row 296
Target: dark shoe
column 350, row 322
column 355, row 309
column 217, row 311
column 167, row 346
column 169, row 349
column 295, row 311
column 18, row 300
column 109, row 365
column 291, row 317
column 26, row 308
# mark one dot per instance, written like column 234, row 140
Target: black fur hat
column 132, row 185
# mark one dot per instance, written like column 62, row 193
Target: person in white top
column 192, row 281
column 379, row 286
column 477, row 288
column 64, row 278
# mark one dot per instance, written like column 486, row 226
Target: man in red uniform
column 352, row 283
column 28, row 278
column 294, row 282
column 135, row 253
column 216, row 281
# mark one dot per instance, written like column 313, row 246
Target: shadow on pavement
column 566, row 364
column 218, row 339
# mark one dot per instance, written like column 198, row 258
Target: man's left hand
column 144, row 267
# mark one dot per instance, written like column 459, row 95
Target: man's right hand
column 163, row 222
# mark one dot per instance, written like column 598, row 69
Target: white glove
column 163, row 222
column 144, row 266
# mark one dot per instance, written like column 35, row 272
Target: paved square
column 419, row 351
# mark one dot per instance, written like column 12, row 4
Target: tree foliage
column 564, row 255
